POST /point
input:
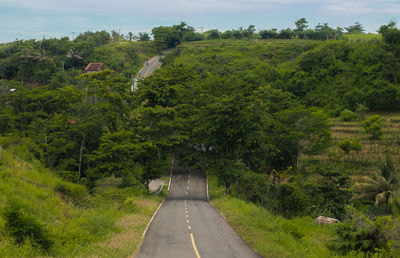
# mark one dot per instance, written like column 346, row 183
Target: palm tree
column 382, row 188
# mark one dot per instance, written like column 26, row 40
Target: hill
column 61, row 218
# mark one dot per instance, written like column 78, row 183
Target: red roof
column 93, row 67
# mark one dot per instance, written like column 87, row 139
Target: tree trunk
column 147, row 185
column 228, row 186
column 173, row 162
column 158, row 156
column 80, row 157
column 299, row 154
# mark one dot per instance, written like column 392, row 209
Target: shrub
column 77, row 193
column 348, row 145
column 130, row 204
column 347, row 116
column 254, row 187
column 360, row 234
column 291, row 200
column 373, row 125
column 22, row 226
column 328, row 190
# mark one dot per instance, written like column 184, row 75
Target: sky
column 27, row 19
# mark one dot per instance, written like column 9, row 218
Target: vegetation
column 45, row 215
column 280, row 122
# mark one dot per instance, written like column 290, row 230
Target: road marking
column 187, row 215
column 194, row 246
column 187, row 187
column 151, row 220
column 189, row 182
column 187, row 221
column 187, row 193
column 189, row 227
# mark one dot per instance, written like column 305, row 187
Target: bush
column 328, row 190
column 77, row 193
column 22, row 226
column 348, row 145
column 373, row 125
column 291, row 200
column 254, row 187
column 347, row 116
column 360, row 234
column 130, row 204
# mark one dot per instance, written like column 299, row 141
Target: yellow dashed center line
column 194, row 246
column 187, row 218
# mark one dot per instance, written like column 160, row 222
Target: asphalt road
column 153, row 64
column 187, row 225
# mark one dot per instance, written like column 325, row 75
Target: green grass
column 363, row 37
column 241, row 54
column 107, row 223
column 268, row 234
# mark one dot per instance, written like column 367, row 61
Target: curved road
column 149, row 68
column 187, row 225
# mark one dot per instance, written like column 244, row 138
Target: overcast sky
column 26, row 19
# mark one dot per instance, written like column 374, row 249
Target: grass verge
column 268, row 234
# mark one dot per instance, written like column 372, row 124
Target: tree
column 249, row 32
column 373, row 125
column 382, row 188
column 357, row 28
column 390, row 26
column 166, row 37
column 301, row 25
column 143, row 36
column 390, row 33
column 269, row 34
column 213, row 34
column 305, row 130
column 348, row 145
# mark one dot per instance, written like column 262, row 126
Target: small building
column 94, row 67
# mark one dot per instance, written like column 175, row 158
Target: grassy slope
column 111, row 224
column 268, row 234
column 273, row 52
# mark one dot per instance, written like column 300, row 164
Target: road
column 153, row 64
column 187, row 225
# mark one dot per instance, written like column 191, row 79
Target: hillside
column 60, row 217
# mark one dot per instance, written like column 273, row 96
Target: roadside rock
column 154, row 185
column 325, row 220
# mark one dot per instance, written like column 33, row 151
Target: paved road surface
column 187, row 225
column 147, row 70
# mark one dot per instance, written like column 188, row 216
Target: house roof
column 93, row 67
